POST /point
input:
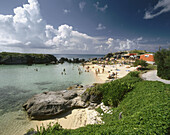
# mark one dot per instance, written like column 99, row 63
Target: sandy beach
column 72, row 119
column 80, row 117
column 102, row 77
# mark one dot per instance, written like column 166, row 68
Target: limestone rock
column 93, row 98
column 29, row 59
column 49, row 104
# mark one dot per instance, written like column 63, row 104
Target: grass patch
column 99, row 110
column 151, row 67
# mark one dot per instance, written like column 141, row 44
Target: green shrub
column 151, row 67
column 95, row 62
column 94, row 90
column 99, row 110
column 133, row 74
column 140, row 62
column 162, row 59
column 56, row 128
column 138, row 51
column 113, row 92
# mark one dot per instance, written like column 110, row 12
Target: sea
column 18, row 83
column 80, row 56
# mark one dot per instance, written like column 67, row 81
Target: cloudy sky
column 83, row 26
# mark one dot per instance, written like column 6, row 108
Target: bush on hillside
column 113, row 92
column 162, row 59
column 140, row 62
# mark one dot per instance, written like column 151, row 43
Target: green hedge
column 162, row 59
column 140, row 62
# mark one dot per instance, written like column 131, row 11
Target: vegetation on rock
column 24, row 58
column 139, row 51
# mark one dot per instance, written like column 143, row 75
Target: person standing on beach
column 96, row 72
column 116, row 74
column 103, row 70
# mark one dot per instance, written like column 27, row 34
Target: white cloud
column 68, row 39
column 82, row 5
column 26, row 25
column 26, row 31
column 100, row 27
column 102, row 9
column 139, row 39
column 120, row 45
column 66, row 11
column 28, row 43
column 6, row 40
column 162, row 6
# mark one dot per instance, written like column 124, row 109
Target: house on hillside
column 130, row 55
column 147, row 57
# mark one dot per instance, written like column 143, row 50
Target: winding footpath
column 152, row 76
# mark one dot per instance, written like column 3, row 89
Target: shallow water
column 20, row 82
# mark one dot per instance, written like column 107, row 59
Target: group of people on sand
column 87, row 69
column 97, row 71
column 113, row 75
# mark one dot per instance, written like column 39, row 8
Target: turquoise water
column 20, row 82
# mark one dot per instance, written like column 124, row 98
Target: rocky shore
column 69, row 108
column 50, row 104
column 27, row 59
column 7, row 58
column 74, row 60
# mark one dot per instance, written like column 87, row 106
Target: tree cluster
column 162, row 59
column 140, row 62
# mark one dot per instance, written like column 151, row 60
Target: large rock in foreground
column 49, row 104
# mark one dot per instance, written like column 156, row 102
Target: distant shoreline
column 7, row 58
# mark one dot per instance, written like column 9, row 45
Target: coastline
column 81, row 117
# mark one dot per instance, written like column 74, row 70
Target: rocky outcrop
column 109, row 55
column 74, row 60
column 29, row 59
column 77, row 86
column 62, row 60
column 93, row 58
column 49, row 104
column 92, row 98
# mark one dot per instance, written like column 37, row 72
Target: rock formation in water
column 29, row 59
column 74, row 60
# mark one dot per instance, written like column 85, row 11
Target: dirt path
column 152, row 76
